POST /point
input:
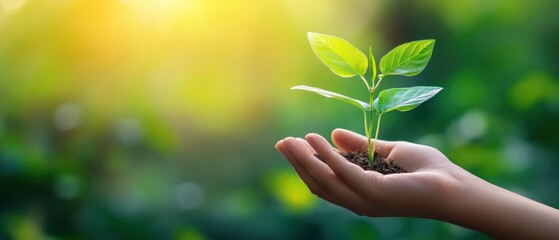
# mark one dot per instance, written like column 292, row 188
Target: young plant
column 345, row 60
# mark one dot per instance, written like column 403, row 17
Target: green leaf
column 373, row 65
column 340, row 56
column 403, row 99
column 408, row 59
column 328, row 94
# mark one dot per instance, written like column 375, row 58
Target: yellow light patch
column 291, row 190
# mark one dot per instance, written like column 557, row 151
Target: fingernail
column 311, row 135
column 280, row 150
column 278, row 143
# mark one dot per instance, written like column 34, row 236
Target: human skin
column 433, row 188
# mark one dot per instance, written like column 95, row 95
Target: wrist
column 461, row 186
column 471, row 199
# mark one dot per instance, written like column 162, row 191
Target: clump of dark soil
column 380, row 164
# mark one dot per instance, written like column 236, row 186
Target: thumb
column 349, row 141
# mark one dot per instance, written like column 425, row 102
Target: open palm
column 422, row 192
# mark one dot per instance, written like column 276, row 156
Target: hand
column 434, row 187
column 431, row 181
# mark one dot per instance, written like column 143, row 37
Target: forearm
column 502, row 214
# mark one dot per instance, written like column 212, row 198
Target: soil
column 380, row 164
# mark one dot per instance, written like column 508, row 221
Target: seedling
column 346, row 61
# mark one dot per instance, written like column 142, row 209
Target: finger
column 349, row 141
column 355, row 203
column 415, row 157
column 311, row 183
column 354, row 176
column 319, row 171
column 312, row 149
column 308, row 145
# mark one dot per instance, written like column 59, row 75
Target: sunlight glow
column 161, row 11
column 11, row 5
column 212, row 66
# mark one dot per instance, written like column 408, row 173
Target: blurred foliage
column 156, row 119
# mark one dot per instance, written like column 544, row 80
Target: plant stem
column 371, row 149
column 380, row 77
column 366, row 82
column 368, row 127
column 376, row 133
column 369, row 134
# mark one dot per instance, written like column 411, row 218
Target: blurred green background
column 156, row 119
